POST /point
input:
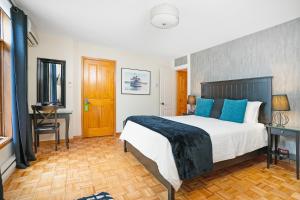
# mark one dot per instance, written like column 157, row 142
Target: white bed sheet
column 229, row 140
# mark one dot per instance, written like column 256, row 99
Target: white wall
column 5, row 5
column 65, row 48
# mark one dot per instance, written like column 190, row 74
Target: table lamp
column 280, row 103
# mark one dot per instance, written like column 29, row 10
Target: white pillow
column 252, row 112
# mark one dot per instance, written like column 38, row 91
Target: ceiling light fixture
column 164, row 16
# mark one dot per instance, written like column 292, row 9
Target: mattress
column 229, row 140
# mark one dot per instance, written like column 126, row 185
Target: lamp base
column 279, row 125
column 191, row 108
column 280, row 119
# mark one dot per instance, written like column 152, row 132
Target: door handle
column 86, row 105
column 86, row 101
column 162, row 103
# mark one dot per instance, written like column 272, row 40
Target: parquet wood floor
column 99, row 164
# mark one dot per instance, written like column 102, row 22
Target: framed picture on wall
column 135, row 81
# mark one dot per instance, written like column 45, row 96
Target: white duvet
column 229, row 140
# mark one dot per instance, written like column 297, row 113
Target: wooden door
column 181, row 92
column 98, row 97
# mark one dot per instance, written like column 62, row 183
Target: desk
column 60, row 115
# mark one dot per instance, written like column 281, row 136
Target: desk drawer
column 277, row 131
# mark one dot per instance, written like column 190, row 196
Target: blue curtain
column 22, row 135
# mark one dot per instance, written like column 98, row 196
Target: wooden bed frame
column 253, row 89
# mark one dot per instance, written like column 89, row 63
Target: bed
column 232, row 143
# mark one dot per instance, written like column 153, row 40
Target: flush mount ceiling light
column 164, row 16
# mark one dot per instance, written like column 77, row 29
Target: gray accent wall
column 272, row 52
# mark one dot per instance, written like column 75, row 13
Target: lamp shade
column 191, row 100
column 280, row 103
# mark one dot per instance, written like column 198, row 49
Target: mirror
column 51, row 84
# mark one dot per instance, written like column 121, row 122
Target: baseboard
column 62, row 141
column 77, row 137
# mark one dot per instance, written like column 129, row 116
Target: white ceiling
column 125, row 24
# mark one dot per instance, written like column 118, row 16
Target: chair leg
column 56, row 139
column 38, row 140
column 58, row 136
column 35, row 142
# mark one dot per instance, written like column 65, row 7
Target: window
column 5, row 80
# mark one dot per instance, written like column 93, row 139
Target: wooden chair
column 45, row 122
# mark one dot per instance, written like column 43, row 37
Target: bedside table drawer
column 278, row 131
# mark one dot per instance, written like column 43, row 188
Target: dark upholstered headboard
column 253, row 89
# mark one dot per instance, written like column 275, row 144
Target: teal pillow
column 203, row 107
column 234, row 110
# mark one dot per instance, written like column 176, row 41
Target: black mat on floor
column 100, row 196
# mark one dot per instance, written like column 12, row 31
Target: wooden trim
column 2, row 113
column 5, row 142
column 81, row 101
column 182, row 70
column 82, row 97
column 52, row 141
column 5, row 87
column 118, row 134
column 99, row 59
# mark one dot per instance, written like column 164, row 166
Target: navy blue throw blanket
column 191, row 146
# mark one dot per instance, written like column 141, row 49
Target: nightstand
column 274, row 131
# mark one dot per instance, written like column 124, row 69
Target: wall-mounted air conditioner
column 32, row 38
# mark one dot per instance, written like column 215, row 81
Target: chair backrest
column 44, row 114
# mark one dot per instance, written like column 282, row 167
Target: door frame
column 178, row 71
column 82, row 94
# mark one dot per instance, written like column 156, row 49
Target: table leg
column 297, row 155
column 276, row 148
column 67, row 118
column 269, row 148
column 125, row 146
